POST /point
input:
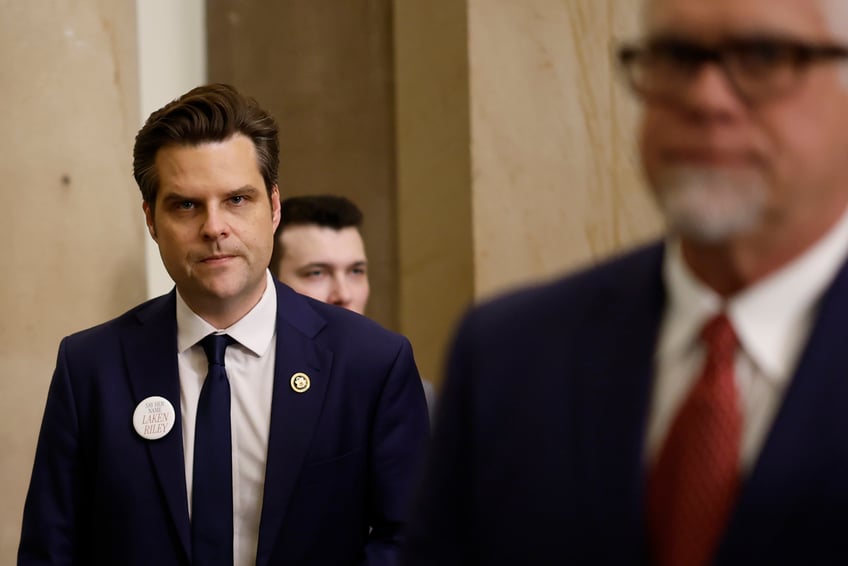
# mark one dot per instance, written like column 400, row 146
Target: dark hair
column 327, row 211
column 210, row 113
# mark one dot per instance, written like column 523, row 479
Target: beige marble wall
column 516, row 151
column 555, row 176
column 436, row 257
column 72, row 253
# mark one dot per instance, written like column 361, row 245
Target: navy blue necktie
column 212, row 483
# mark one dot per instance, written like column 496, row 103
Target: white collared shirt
column 772, row 320
column 250, row 369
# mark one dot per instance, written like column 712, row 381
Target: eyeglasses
column 758, row 68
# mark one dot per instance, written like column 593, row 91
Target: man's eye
column 313, row 273
column 358, row 271
column 676, row 54
column 238, row 199
column 762, row 55
column 185, row 205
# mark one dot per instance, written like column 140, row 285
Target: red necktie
column 694, row 482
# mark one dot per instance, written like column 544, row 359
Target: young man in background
column 318, row 252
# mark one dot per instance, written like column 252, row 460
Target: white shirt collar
column 768, row 316
column 254, row 331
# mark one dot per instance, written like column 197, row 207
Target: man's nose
column 214, row 223
column 711, row 93
column 339, row 292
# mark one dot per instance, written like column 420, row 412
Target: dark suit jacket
column 341, row 457
column 538, row 448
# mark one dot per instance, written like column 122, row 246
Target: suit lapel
column 800, row 451
column 294, row 416
column 150, row 348
column 619, row 344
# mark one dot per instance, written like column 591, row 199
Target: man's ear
column 275, row 206
column 148, row 217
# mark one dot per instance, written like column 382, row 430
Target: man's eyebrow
column 331, row 265
column 246, row 190
column 249, row 190
column 176, row 197
column 759, row 33
column 314, row 264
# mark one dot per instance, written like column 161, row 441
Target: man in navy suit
column 310, row 459
column 591, row 420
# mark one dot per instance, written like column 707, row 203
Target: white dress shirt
column 250, row 369
column 772, row 320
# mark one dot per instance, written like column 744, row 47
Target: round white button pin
column 154, row 418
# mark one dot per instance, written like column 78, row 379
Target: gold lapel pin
column 300, row 382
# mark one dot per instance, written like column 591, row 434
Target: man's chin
column 708, row 230
column 219, row 289
column 711, row 206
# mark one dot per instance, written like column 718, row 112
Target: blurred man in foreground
column 685, row 403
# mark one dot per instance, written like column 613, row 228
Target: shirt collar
column 254, row 331
column 690, row 304
column 768, row 316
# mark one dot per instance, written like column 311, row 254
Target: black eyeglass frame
column 794, row 56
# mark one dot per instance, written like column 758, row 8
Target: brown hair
column 209, row 113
